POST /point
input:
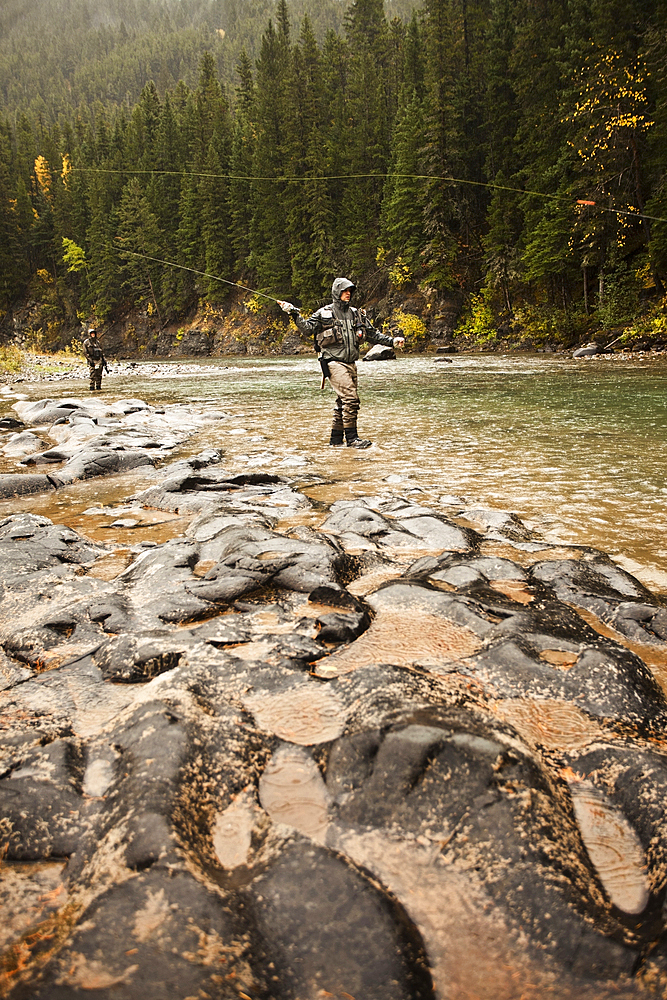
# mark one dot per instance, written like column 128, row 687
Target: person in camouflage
column 95, row 358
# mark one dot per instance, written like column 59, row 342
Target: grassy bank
column 18, row 365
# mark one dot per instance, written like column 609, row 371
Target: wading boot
column 353, row 440
column 336, row 439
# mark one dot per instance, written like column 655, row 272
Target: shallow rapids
column 577, row 449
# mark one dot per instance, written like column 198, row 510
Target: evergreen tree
column 138, row 240
column 440, row 148
column 269, row 241
column 164, row 189
column 214, row 200
column 241, row 165
column 13, row 264
column 365, row 140
column 405, row 193
column 308, row 207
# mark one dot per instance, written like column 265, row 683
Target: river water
column 577, row 449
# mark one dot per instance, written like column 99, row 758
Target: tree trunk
column 585, row 271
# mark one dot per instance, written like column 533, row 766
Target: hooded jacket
column 339, row 328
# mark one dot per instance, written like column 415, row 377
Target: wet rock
column 45, row 412
column 51, row 455
column 14, row 484
column 174, row 937
column 11, row 672
column 22, row 444
column 598, row 585
column 364, row 948
column 406, row 527
column 189, row 490
column 463, row 792
column 90, row 462
column 380, row 353
column 29, row 543
column 95, row 438
column 43, row 811
column 498, row 524
column 263, row 785
column 341, row 628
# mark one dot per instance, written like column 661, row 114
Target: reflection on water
column 577, row 449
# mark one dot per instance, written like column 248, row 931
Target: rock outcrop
column 380, row 759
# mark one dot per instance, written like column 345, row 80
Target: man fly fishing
column 337, row 330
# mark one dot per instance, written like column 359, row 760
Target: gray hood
column 338, row 287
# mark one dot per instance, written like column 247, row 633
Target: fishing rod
column 582, row 202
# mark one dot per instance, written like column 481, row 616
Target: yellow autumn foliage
column 43, row 175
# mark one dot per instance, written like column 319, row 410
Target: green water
column 577, row 449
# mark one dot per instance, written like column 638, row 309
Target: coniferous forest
column 509, row 152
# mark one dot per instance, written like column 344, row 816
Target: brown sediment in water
column 299, row 715
column 111, row 565
column 403, row 639
column 559, row 658
column 503, row 550
column 371, row 581
column 292, row 791
column 513, row 589
column 612, row 845
column 555, row 725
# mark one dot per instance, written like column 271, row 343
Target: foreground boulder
column 379, row 759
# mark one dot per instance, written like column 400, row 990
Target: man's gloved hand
column 289, row 308
column 399, row 341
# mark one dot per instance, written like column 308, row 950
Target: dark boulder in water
column 589, row 351
column 13, row 484
column 380, row 353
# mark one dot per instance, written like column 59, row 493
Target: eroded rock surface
column 253, row 769
column 91, row 438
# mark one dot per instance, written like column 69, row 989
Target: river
column 577, row 449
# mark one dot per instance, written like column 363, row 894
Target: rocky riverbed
column 395, row 753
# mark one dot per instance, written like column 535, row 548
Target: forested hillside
column 60, row 55
column 508, row 152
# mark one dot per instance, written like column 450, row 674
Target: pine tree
column 365, row 141
column 103, row 260
column 440, row 148
column 269, row 242
column 241, row 165
column 214, row 200
column 138, row 240
column 309, row 210
column 405, row 193
column 12, row 253
column 164, row 188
